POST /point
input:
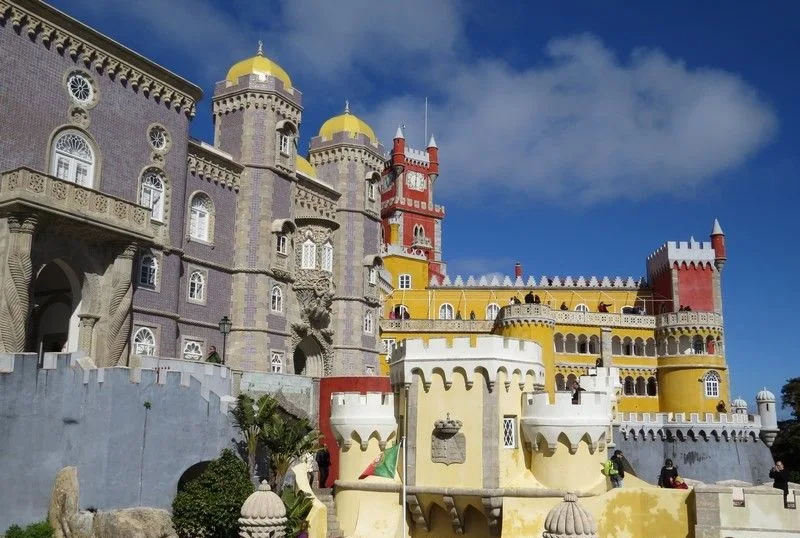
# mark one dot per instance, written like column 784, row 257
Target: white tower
column 769, row 416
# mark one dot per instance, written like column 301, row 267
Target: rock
column 63, row 502
column 134, row 523
column 81, row 524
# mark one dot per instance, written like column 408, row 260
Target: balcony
column 543, row 313
column 437, row 325
column 689, row 320
column 25, row 189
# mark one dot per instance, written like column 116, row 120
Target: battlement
column 680, row 251
column 417, row 156
column 545, row 282
column 489, row 356
column 408, row 252
column 711, row 426
column 365, row 415
column 587, row 419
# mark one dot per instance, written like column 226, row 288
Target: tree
column 287, row 438
column 35, row 530
column 790, row 396
column 209, row 506
column 251, row 417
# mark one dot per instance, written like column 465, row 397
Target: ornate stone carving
column 417, row 513
column 85, row 331
column 455, row 517
column 79, row 117
column 447, row 444
column 493, row 508
column 210, row 166
column 17, row 282
column 119, row 307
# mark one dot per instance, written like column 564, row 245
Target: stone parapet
column 30, row 189
column 437, row 325
column 212, row 377
column 588, row 419
column 539, row 313
column 545, row 282
column 362, row 415
column 706, row 427
column 489, row 356
column 677, row 321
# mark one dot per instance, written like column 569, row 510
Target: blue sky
column 575, row 138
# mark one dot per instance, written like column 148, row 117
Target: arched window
column 560, row 385
column 151, row 194
column 276, row 299
column 571, row 379
column 581, row 308
column 570, row 345
column 652, row 387
column 711, row 384
column 400, row 312
column 373, row 276
column 308, row 259
column 446, row 311
column 628, row 386
column 492, row 310
column 419, row 231
column 558, row 343
column 327, row 257
column 73, row 159
column 276, row 362
column 641, row 386
column 144, row 342
column 650, row 347
column 282, row 244
column 200, row 217
column 627, row 346
column 148, row 272
column 404, row 282
column 197, row 286
column 192, row 351
column 594, row 345
column 698, row 346
column 368, row 322
column 638, row 347
column 583, row 344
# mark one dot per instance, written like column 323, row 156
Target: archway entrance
column 56, row 304
column 308, row 358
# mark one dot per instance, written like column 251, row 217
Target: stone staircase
column 326, row 498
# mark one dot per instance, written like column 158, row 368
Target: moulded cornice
column 250, row 98
column 345, row 152
column 54, row 28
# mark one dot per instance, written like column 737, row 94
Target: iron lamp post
column 225, row 327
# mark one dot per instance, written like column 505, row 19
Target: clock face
column 415, row 181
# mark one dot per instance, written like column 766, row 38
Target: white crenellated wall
column 543, row 420
column 489, row 356
column 711, row 426
column 362, row 415
column 680, row 251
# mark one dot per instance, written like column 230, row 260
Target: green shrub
column 298, row 505
column 36, row 530
column 209, row 505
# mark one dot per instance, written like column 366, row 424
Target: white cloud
column 587, row 126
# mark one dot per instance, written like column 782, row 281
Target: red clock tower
column 411, row 222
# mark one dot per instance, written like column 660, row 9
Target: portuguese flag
column 384, row 465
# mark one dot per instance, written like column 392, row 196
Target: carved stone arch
column 481, row 371
column 715, row 435
column 287, row 127
column 372, row 176
column 284, row 226
column 426, row 383
column 98, row 160
column 447, row 381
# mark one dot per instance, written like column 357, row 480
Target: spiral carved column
column 119, row 307
column 16, row 285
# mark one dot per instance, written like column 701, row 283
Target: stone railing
column 544, row 314
column 421, row 242
column 688, row 320
column 35, row 190
column 437, row 325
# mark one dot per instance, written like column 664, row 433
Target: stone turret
column 362, row 416
column 765, row 401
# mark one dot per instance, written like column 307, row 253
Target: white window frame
column 152, row 196
column 282, row 244
column 368, row 322
column 286, row 145
column 75, row 165
column 388, row 345
column 200, row 217
column 581, row 308
column 276, row 362
column 371, row 191
column 327, row 257
column 276, row 299
column 510, row 431
column 152, row 270
column 195, row 345
column 197, row 286
column 492, row 307
column 308, row 258
column 711, row 384
column 373, row 276
column 404, row 281
column 140, row 346
column 446, row 311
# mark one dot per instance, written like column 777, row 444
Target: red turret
column 433, row 156
column 518, row 270
column 398, row 149
column 718, row 242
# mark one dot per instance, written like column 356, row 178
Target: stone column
column 16, row 285
column 118, row 327
column 606, row 351
column 85, row 332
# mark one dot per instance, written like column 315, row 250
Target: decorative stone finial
column 569, row 519
column 260, row 48
column 347, row 106
column 263, row 514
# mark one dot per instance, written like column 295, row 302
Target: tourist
column 616, row 472
column 576, row 392
column 472, row 314
column 458, row 314
column 323, row 464
column 564, row 306
column 311, row 466
column 213, row 357
column 780, row 477
column 668, row 475
column 529, row 298
column 602, row 307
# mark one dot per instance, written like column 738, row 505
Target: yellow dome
column 347, row 123
column 304, row 167
column 259, row 65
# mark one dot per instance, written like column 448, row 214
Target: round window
column 158, row 138
column 80, row 88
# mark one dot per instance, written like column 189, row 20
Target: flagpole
column 405, row 464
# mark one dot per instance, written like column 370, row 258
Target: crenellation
column 362, row 415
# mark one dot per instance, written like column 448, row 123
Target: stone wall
column 708, row 461
column 130, row 433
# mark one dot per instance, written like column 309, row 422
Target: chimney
column 518, row 270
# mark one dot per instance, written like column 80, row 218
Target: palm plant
column 298, row 506
column 251, row 417
column 287, row 438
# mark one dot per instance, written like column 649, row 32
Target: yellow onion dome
column 302, row 165
column 347, row 123
column 259, row 65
